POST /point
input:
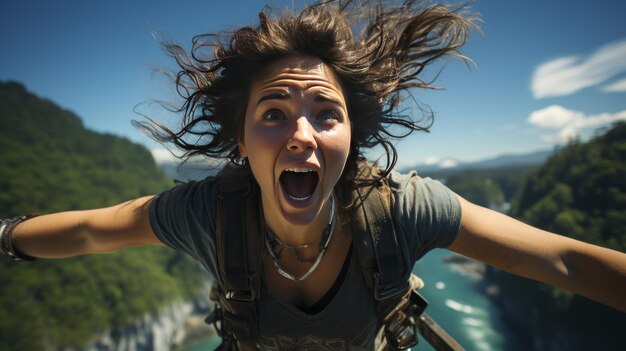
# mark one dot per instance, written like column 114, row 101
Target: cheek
column 263, row 146
column 260, row 139
column 337, row 144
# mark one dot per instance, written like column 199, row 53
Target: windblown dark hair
column 377, row 50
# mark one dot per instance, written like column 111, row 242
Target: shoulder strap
column 382, row 264
column 388, row 273
column 376, row 241
column 238, row 241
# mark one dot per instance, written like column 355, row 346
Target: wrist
column 6, row 233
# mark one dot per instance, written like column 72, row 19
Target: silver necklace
column 271, row 241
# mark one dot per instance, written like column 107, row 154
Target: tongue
column 299, row 185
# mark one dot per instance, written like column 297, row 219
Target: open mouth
column 299, row 183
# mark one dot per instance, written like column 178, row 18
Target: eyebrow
column 274, row 96
column 286, row 96
column 325, row 98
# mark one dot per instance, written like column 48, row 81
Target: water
column 209, row 344
column 454, row 302
column 460, row 307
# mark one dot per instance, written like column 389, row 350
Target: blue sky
column 542, row 71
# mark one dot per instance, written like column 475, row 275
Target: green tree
column 51, row 163
column 579, row 192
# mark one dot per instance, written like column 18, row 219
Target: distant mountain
column 506, row 160
column 199, row 169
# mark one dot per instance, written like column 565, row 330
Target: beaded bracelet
column 6, row 232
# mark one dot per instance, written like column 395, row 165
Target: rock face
column 164, row 331
column 154, row 332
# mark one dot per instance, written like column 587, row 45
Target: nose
column 302, row 138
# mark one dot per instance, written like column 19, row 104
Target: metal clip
column 244, row 296
column 404, row 339
column 216, row 317
column 417, row 303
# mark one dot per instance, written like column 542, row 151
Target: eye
column 274, row 115
column 329, row 115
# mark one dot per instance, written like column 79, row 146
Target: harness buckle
column 384, row 293
column 239, row 295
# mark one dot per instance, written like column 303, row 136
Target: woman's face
column 296, row 137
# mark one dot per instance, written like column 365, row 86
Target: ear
column 242, row 148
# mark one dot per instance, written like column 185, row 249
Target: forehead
column 301, row 71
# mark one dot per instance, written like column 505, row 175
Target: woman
column 294, row 102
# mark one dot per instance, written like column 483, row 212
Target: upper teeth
column 299, row 170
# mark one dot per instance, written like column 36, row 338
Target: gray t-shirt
column 427, row 215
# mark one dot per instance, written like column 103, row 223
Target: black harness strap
column 232, row 243
column 400, row 306
column 238, row 249
column 381, row 261
column 377, row 225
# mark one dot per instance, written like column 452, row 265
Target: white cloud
column 567, row 75
column 162, row 156
column 431, row 160
column 554, row 117
column 567, row 124
column 448, row 163
column 442, row 163
column 562, row 136
column 617, row 87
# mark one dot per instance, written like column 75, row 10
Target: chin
column 300, row 217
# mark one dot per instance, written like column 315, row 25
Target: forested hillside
column 580, row 192
column 494, row 188
column 49, row 162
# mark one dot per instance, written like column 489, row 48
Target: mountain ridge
column 500, row 161
column 199, row 169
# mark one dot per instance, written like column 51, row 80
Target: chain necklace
column 271, row 241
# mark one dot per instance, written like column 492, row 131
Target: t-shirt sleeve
column 183, row 219
column 426, row 211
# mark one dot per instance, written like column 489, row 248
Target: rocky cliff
column 169, row 329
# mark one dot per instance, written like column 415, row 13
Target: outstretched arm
column 508, row 244
column 74, row 233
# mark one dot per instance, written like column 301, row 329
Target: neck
column 296, row 234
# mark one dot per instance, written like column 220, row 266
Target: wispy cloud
column 617, row 87
column 448, row 163
column 565, row 124
column 443, row 163
column 431, row 160
column 162, row 156
column 567, row 75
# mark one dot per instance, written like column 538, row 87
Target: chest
column 349, row 321
column 304, row 294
